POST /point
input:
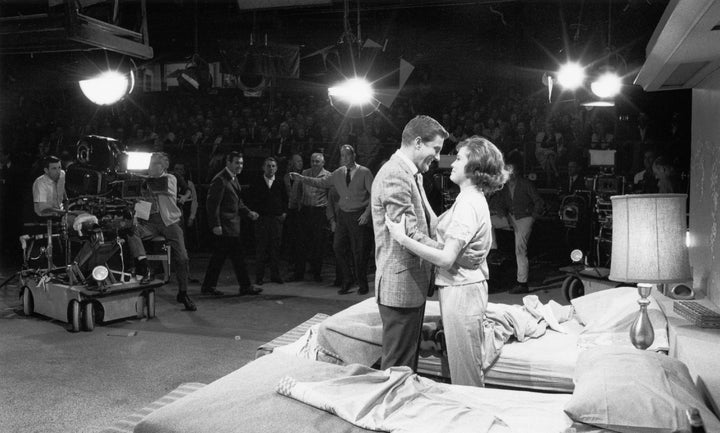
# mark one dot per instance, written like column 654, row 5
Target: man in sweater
column 353, row 183
column 270, row 202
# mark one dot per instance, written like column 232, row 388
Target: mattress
column 245, row 401
column 547, row 363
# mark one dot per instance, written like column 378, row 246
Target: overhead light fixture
column 108, row 87
column 354, row 97
column 606, row 85
column 571, row 76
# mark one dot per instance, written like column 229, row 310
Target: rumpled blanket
column 530, row 320
column 395, row 400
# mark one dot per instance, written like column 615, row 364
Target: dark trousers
column 224, row 247
column 173, row 234
column 402, row 328
column 313, row 239
column 351, row 236
column 268, row 233
column 292, row 241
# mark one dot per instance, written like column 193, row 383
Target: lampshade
column 648, row 239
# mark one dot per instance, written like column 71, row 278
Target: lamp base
column 641, row 331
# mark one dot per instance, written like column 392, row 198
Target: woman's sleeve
column 464, row 223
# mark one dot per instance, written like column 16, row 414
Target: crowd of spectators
column 198, row 129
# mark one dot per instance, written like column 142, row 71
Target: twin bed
column 614, row 386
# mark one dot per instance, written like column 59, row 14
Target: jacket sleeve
column 398, row 201
column 213, row 200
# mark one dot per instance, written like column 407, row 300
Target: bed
column 545, row 363
column 284, row 393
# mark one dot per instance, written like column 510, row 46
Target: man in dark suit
column 271, row 202
column 575, row 180
column 224, row 210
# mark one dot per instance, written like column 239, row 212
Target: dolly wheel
column 575, row 289
column 88, row 317
column 74, row 315
column 27, row 297
column 564, row 289
column 150, row 301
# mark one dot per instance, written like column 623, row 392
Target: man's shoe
column 147, row 277
column 184, row 299
column 250, row 290
column 296, row 277
column 344, row 291
column 277, row 280
column 520, row 288
column 211, row 292
column 363, row 291
column 259, row 281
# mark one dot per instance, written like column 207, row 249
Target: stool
column 161, row 253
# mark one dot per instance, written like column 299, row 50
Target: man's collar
column 268, row 178
column 413, row 168
column 232, row 175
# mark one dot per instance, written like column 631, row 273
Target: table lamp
column 648, row 247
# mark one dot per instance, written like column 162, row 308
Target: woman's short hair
column 485, row 166
column 424, row 127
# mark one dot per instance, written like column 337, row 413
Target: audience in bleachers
column 198, row 130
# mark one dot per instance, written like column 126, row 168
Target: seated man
column 49, row 189
column 49, row 198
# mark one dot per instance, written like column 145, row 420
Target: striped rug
column 126, row 425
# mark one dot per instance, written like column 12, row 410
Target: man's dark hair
column 50, row 160
column 515, row 158
column 232, row 155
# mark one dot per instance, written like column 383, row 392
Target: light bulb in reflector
column 100, row 273
column 354, row 91
column 108, row 87
column 576, row 256
column 606, row 86
column 571, row 76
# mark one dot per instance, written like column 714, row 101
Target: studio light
column 571, row 76
column 108, row 87
column 354, row 97
column 607, row 85
column 138, row 161
column 354, row 91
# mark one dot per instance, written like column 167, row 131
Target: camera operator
column 49, row 188
column 163, row 219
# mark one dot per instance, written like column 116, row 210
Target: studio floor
column 57, row 381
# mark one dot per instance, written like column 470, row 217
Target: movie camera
column 589, row 210
column 103, row 186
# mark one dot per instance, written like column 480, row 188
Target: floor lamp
column 648, row 248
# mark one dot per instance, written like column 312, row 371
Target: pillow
column 615, row 310
column 629, row 390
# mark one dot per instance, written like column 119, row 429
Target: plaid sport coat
column 401, row 278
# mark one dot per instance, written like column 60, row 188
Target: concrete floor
column 52, row 380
